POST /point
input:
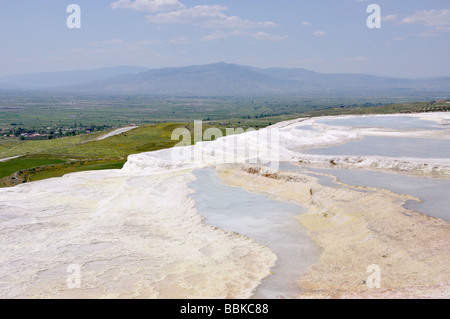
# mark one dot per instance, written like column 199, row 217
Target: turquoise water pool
column 402, row 123
column 269, row 222
column 433, row 192
column 390, row 147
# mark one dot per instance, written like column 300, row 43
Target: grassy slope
column 12, row 166
column 55, row 158
column 60, row 170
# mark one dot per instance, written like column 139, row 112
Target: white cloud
column 208, row 16
column 438, row 19
column 218, row 35
column 306, row 23
column 361, row 59
column 148, row 42
column 129, row 45
column 106, row 43
column 396, row 39
column 148, row 5
column 355, row 59
column 263, row 36
column 319, row 33
column 180, row 40
column 430, row 34
column 260, row 36
column 429, row 18
column 390, row 17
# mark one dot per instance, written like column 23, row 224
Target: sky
column 327, row 36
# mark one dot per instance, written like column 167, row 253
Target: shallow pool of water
column 403, row 123
column 390, row 147
column 306, row 128
column 433, row 192
column 269, row 222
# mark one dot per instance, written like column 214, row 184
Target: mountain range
column 220, row 79
column 65, row 78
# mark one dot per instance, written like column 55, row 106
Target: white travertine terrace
column 284, row 142
column 132, row 236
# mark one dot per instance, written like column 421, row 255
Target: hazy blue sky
column 323, row 35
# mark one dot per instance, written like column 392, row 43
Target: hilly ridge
column 232, row 79
column 64, row 78
column 226, row 79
